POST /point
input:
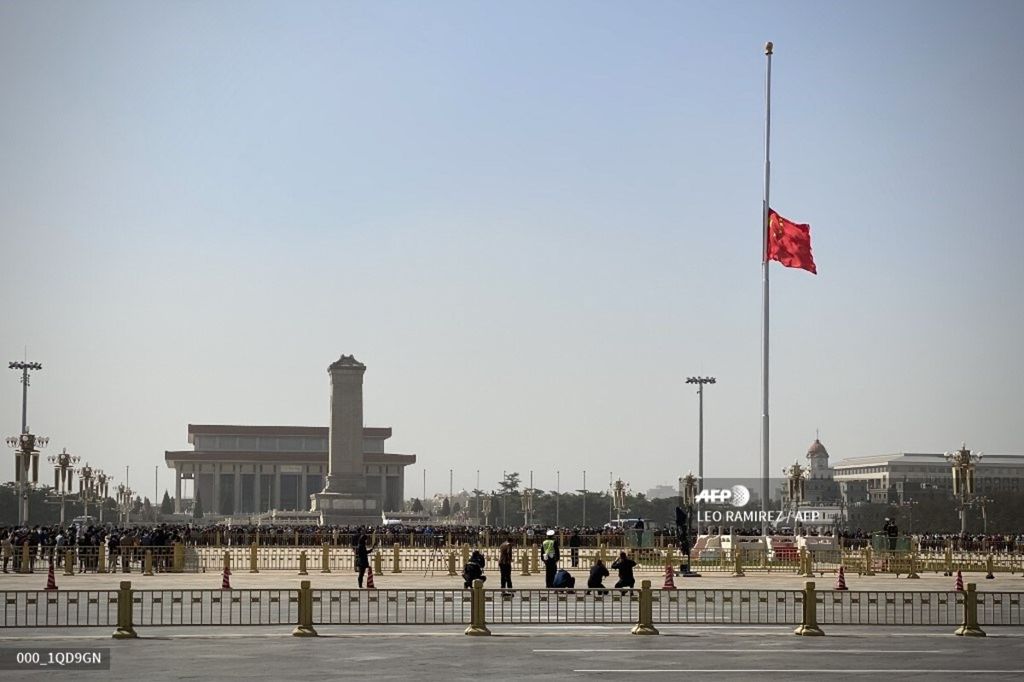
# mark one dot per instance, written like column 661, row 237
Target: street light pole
column 584, row 498
column 963, row 462
column 23, row 484
column 700, row 381
column 558, row 495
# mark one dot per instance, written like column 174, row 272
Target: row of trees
column 44, row 507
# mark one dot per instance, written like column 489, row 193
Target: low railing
column 306, row 608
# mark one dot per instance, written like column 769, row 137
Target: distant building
column 340, row 471
column 891, row 478
column 659, row 492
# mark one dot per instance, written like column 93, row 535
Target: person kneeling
column 563, row 580
column 625, row 567
column 474, row 569
column 598, row 572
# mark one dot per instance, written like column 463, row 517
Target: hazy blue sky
column 530, row 220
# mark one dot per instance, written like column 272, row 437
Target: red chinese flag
column 790, row 243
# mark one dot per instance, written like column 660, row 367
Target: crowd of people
column 123, row 547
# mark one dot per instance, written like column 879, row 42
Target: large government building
column 341, row 471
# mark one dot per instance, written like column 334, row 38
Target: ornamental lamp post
column 86, row 486
column 688, row 491
column 102, row 490
column 620, row 491
column 796, row 478
column 962, row 465
column 527, row 502
column 63, row 474
column 124, row 500
column 486, row 501
column 26, row 467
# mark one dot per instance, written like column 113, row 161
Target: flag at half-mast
column 790, row 243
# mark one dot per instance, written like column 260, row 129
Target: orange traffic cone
column 369, row 579
column 670, row 583
column 841, row 580
column 225, row 583
column 51, row 582
column 959, row 582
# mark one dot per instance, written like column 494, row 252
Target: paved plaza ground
column 241, row 578
column 535, row 652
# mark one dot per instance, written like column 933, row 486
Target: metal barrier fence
column 305, row 607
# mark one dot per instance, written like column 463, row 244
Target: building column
column 383, row 486
column 303, row 502
column 256, row 489
column 177, row 489
column 276, row 504
column 236, row 504
column 216, row 488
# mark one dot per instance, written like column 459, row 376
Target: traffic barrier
column 369, row 580
column 841, row 580
column 51, row 581
column 959, row 586
column 670, row 583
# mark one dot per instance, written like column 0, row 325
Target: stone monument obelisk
column 344, row 498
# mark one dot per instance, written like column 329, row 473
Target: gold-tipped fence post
column 378, row 563
column 26, row 560
column 147, row 564
column 452, row 569
column 69, row 562
column 809, row 623
column 177, row 560
column 305, row 625
column 325, row 559
column 477, row 617
column 125, row 629
column 737, row 570
column 254, row 558
column 535, row 559
column 526, row 564
column 302, row 563
column 970, row 627
column 645, row 619
column 396, row 567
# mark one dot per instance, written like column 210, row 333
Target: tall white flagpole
column 765, row 488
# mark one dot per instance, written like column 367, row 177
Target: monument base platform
column 346, row 508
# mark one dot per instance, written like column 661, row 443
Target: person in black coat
column 362, row 557
column 625, row 567
column 598, row 572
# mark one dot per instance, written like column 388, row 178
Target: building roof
column 283, row 457
column 369, row 432
column 924, row 458
column 816, row 449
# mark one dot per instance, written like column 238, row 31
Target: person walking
column 549, row 553
column 505, row 563
column 362, row 558
column 625, row 567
